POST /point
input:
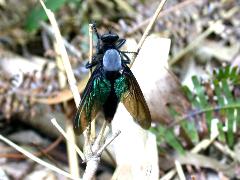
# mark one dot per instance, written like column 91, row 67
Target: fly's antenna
column 98, row 36
column 95, row 30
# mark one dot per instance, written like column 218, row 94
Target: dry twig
column 69, row 46
column 149, row 28
column 39, row 153
column 161, row 14
column 80, row 153
column 36, row 159
column 179, row 170
column 64, row 60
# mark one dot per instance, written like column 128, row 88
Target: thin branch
column 71, row 153
column 91, row 168
column 179, row 170
column 69, row 46
column 72, row 156
column 108, row 142
column 149, row 28
column 64, row 55
column 226, row 150
column 93, row 161
column 101, row 134
column 46, row 150
column 71, row 149
column 161, row 14
column 54, row 122
column 36, row 159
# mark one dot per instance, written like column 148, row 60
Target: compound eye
column 109, row 37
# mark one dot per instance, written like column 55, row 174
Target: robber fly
column 111, row 82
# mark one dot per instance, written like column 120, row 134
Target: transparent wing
column 94, row 96
column 130, row 94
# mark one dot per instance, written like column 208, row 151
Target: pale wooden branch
column 69, row 46
column 66, row 63
column 36, row 159
column 178, row 6
column 179, row 170
column 94, row 159
column 108, row 142
column 71, row 153
column 101, row 133
column 149, row 28
column 72, row 156
column 58, row 127
column 226, row 150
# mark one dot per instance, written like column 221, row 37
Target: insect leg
column 94, row 62
column 120, row 42
column 95, row 31
column 125, row 58
column 130, row 52
column 98, row 37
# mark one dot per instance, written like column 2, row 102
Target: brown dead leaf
column 62, row 96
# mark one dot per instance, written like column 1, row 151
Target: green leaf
column 191, row 131
column 218, row 93
column 221, row 136
column 230, row 122
column 38, row 14
column 172, row 141
column 209, row 118
column 164, row 134
column 234, row 73
column 190, row 96
column 159, row 132
column 226, row 72
column 200, row 92
column 238, row 118
column 173, row 112
column 227, row 91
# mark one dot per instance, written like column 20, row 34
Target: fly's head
column 109, row 38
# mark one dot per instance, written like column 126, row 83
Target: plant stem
column 65, row 60
column 149, row 28
column 72, row 155
column 54, row 122
column 205, row 110
column 36, row 159
column 73, row 161
column 161, row 14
